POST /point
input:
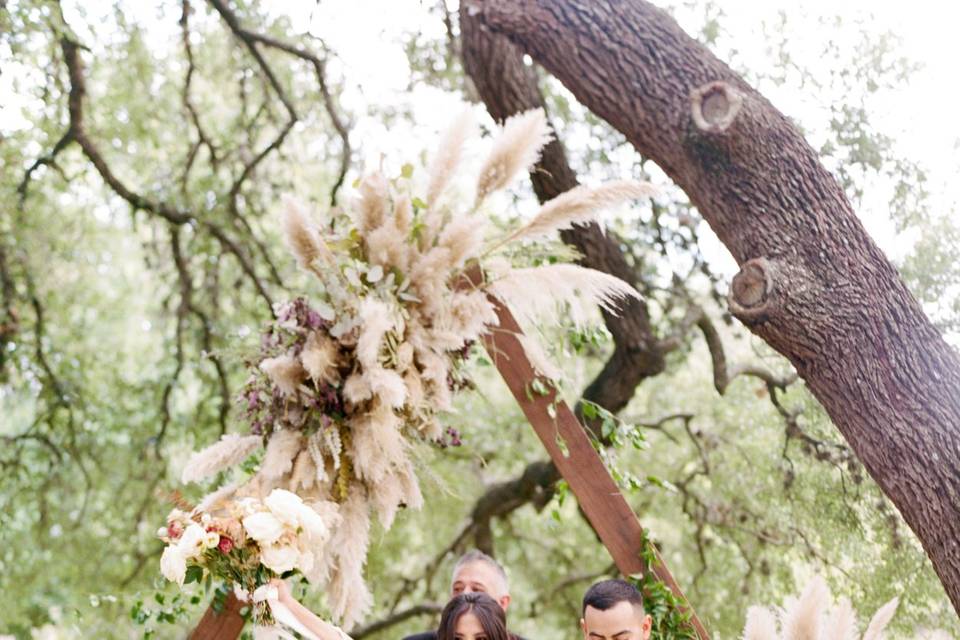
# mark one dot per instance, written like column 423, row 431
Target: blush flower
column 174, row 529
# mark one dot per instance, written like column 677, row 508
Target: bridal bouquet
column 243, row 541
column 365, row 363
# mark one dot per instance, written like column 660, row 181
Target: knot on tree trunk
column 714, row 106
column 752, row 290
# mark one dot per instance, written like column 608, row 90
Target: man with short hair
column 476, row 571
column 613, row 610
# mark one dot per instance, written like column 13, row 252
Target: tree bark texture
column 812, row 283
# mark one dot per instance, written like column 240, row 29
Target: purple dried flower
column 454, row 440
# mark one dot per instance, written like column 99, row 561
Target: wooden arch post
column 576, row 460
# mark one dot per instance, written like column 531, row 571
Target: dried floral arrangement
column 350, row 376
column 814, row 616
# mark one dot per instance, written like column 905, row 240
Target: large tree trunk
column 812, row 283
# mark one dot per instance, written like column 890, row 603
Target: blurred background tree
column 145, row 149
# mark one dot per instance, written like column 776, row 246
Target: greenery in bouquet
column 244, row 542
column 363, row 365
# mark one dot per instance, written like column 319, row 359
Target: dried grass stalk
column 580, row 206
column 556, row 291
column 880, row 620
column 449, row 154
column 801, row 619
column 761, row 624
column 302, row 236
column 516, row 149
column 230, row 450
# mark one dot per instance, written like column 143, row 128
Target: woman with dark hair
column 469, row 616
column 473, row 616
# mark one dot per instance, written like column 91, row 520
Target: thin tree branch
column 319, row 67
column 204, row 138
column 396, row 618
column 723, row 373
column 137, row 201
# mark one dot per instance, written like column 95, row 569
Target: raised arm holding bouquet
column 364, row 365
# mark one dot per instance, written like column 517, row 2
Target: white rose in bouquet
column 263, row 527
column 290, row 509
column 279, row 558
column 173, row 565
column 193, row 541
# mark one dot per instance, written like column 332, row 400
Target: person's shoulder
column 429, row 635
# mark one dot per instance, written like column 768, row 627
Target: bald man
column 613, row 610
column 475, row 571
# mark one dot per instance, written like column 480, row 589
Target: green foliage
column 671, row 617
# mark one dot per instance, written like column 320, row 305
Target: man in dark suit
column 475, row 571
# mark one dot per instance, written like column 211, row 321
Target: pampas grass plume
column 880, row 620
column 370, row 212
column 320, row 358
column 449, row 154
column 302, row 237
column 230, row 450
column 761, row 624
column 349, row 596
column 842, row 623
column 285, row 372
column 542, row 292
column 374, row 323
column 304, row 472
column 283, row 447
column 211, row 500
column 801, row 620
column 516, row 148
column 463, row 238
column 580, row 205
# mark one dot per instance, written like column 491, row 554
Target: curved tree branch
column 136, row 200
column 396, row 618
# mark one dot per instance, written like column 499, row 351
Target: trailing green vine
column 671, row 621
